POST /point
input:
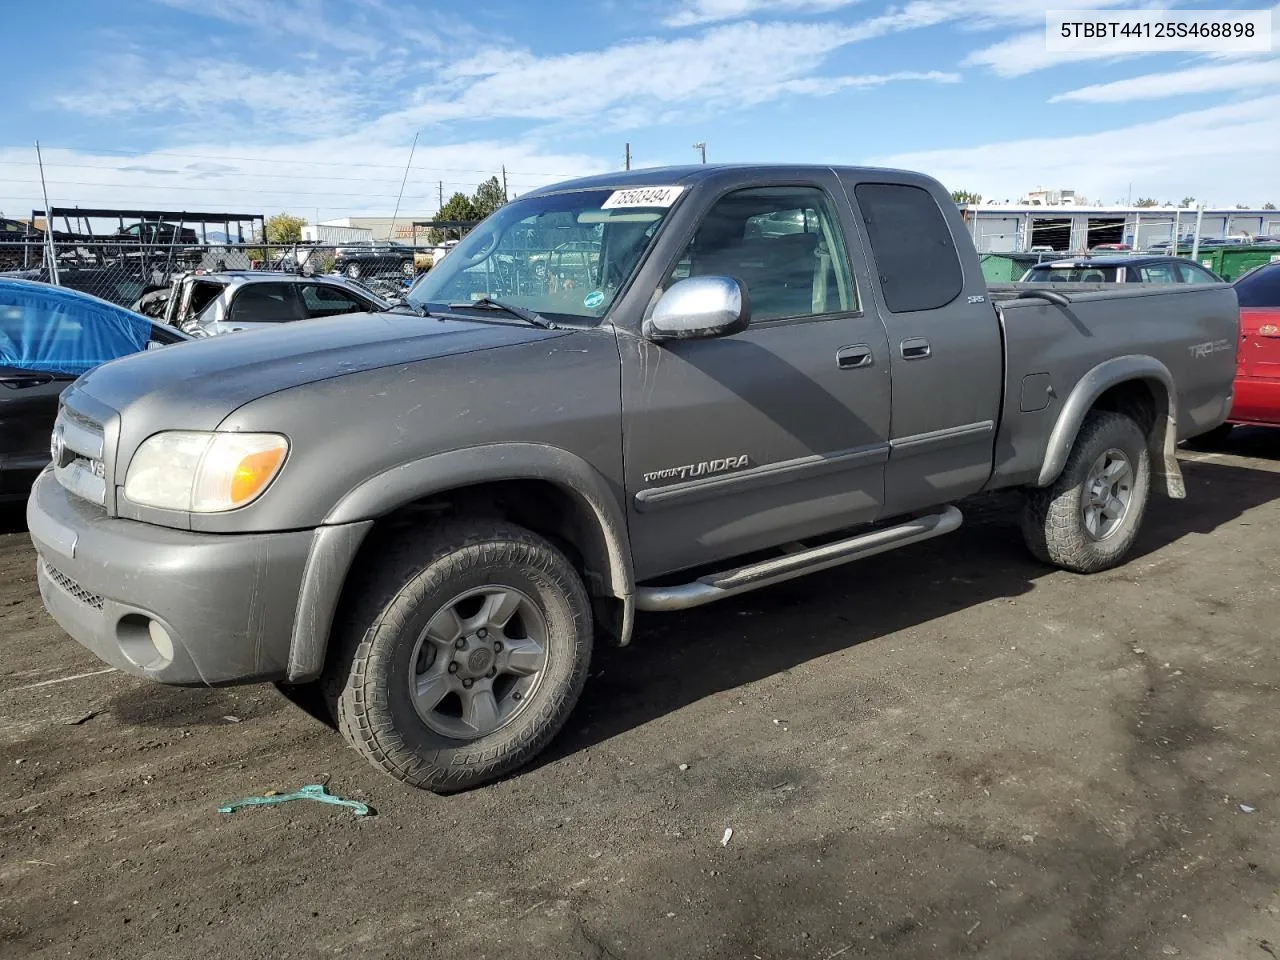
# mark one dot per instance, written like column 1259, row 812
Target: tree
column 965, row 196
column 458, row 207
column 488, row 198
column 1268, row 206
column 1187, row 201
column 284, row 228
column 1146, row 202
column 1242, row 206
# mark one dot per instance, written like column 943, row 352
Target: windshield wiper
column 407, row 308
column 488, row 303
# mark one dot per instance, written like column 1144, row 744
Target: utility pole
column 505, row 198
column 628, row 156
column 48, row 220
column 441, row 207
column 391, row 234
column 702, row 147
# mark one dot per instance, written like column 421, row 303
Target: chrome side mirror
column 699, row 308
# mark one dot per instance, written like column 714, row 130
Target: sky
column 312, row 106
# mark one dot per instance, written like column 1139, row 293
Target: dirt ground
column 944, row 751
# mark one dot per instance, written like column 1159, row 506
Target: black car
column 1120, row 268
column 48, row 337
column 374, row 260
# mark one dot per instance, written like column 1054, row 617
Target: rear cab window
column 915, row 254
column 1073, row 274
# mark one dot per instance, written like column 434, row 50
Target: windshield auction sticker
column 642, row 197
column 1108, row 32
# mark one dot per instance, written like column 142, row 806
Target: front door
column 780, row 432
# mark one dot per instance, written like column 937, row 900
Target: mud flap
column 1164, row 460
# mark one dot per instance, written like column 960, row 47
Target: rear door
column 945, row 345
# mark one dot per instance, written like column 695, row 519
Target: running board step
column 717, row 586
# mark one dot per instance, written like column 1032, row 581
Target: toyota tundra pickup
column 745, row 374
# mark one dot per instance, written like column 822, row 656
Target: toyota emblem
column 57, row 445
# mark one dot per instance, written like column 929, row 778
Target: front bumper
column 169, row 605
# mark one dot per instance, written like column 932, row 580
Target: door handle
column 16, row 381
column 851, row 358
column 916, row 348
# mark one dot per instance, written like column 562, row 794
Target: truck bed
column 1050, row 345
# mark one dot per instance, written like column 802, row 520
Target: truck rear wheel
column 462, row 654
column 1088, row 518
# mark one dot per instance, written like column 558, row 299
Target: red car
column 1257, row 388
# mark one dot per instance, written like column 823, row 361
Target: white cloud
column 351, row 175
column 973, row 14
column 208, row 92
column 1175, row 83
column 638, row 82
column 826, row 86
column 303, row 19
column 1165, row 158
column 711, row 11
column 1025, row 53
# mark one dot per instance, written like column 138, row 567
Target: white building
column 380, row 227
column 1075, row 229
column 1052, row 198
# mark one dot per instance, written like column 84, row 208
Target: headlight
column 204, row 472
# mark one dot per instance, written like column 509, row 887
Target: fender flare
column 345, row 527
column 1163, row 441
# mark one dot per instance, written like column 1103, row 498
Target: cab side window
column 322, row 300
column 1158, row 273
column 783, row 244
column 1190, row 273
column 915, row 254
column 265, row 303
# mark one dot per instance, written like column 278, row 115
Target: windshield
column 1092, row 274
column 565, row 256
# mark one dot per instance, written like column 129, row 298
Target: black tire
column 1213, row 438
column 353, row 271
column 1053, row 521
column 388, row 609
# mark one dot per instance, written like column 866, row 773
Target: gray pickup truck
column 742, row 375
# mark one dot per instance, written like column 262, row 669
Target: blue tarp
column 53, row 330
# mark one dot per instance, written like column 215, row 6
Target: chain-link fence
column 125, row 272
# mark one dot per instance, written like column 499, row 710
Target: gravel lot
column 944, row 751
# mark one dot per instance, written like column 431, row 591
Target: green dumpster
column 1008, row 267
column 1235, row 261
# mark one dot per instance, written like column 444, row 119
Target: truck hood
column 196, row 385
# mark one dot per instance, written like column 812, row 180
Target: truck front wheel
column 462, row 654
column 1088, row 518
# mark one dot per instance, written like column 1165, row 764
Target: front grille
column 77, row 449
column 71, row 587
